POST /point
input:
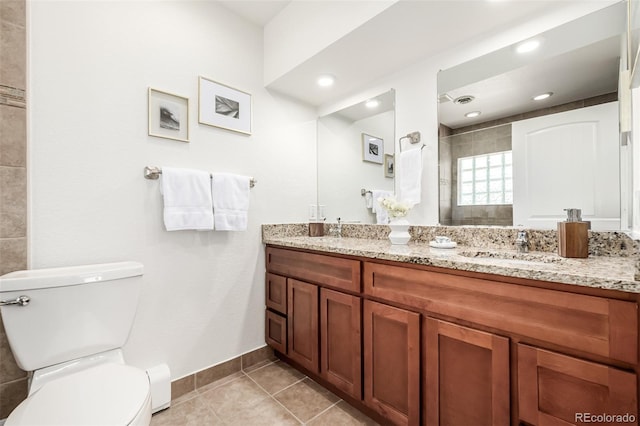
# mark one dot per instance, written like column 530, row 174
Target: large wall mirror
column 525, row 134
column 356, row 152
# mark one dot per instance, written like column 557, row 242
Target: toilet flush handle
column 21, row 300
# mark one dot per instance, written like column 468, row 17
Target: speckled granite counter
column 614, row 272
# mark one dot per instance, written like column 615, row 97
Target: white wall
column 90, row 66
column 635, row 154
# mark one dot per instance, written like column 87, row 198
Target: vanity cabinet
column 323, row 321
column 433, row 346
column 392, row 362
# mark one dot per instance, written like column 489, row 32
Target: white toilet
column 70, row 333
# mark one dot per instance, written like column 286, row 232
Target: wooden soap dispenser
column 573, row 235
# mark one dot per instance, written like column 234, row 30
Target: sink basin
column 513, row 257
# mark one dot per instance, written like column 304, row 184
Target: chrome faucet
column 522, row 242
column 336, row 230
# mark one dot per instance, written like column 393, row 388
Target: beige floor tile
column 275, row 377
column 306, row 399
column 267, row 412
column 342, row 414
column 194, row 412
column 228, row 399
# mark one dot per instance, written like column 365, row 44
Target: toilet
column 69, row 331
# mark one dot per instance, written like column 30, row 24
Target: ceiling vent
column 463, row 100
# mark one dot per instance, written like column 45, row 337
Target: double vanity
column 475, row 335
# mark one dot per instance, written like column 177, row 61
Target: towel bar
column 154, row 172
column 414, row 137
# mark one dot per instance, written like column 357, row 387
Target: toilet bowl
column 105, row 395
column 69, row 334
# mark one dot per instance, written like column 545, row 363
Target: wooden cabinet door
column 466, row 376
column 302, row 324
column 556, row 389
column 340, row 318
column 392, row 362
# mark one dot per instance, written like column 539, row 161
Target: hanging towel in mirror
column 230, row 201
column 187, row 199
column 382, row 217
column 410, row 175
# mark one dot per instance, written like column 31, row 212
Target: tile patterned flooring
column 270, row 393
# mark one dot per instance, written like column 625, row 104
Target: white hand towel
column 382, row 217
column 187, row 199
column 410, row 176
column 368, row 200
column 230, row 201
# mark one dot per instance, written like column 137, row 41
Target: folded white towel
column 187, row 199
column 410, row 176
column 382, row 217
column 230, row 201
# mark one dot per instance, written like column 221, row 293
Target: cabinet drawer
column 276, row 293
column 276, row 331
column 315, row 268
column 587, row 323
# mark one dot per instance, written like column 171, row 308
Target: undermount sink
column 513, row 258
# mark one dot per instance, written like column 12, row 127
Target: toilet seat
column 104, row 395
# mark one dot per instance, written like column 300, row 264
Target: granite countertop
column 608, row 272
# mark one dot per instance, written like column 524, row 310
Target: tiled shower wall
column 477, row 142
column 13, row 178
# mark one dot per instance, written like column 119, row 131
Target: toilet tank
column 73, row 311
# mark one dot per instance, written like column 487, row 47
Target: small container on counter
column 573, row 235
column 316, row 229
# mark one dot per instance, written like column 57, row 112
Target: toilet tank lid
column 69, row 275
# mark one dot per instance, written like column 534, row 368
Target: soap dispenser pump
column 573, row 235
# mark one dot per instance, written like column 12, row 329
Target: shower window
column 485, row 179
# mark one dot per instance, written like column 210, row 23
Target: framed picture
column 389, row 165
column 223, row 106
column 372, row 149
column 168, row 115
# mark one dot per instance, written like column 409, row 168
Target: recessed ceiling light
column 372, row 103
column 528, row 46
column 542, row 96
column 472, row 114
column 326, row 80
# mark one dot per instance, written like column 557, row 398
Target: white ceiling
column 258, row 12
column 407, row 32
column 576, row 75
